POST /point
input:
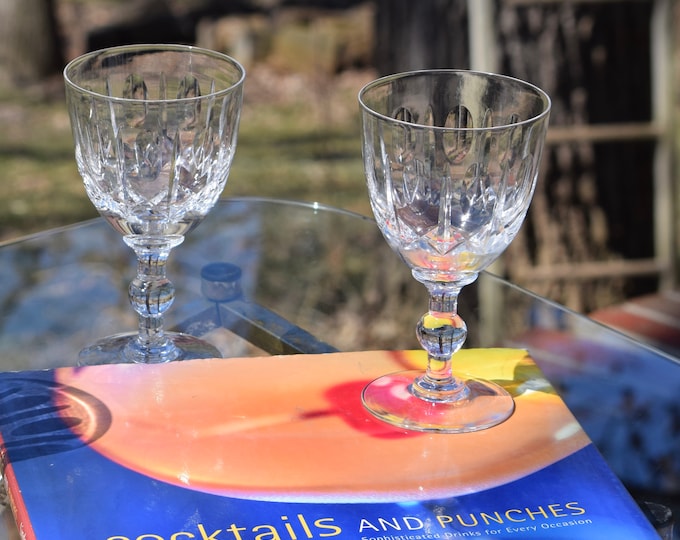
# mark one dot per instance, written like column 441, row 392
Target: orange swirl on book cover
column 294, row 428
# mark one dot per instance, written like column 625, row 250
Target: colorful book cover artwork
column 281, row 448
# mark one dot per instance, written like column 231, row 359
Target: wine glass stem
column 441, row 332
column 151, row 294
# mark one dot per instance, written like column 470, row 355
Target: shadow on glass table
column 261, row 276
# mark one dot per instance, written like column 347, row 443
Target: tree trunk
column 29, row 41
column 422, row 34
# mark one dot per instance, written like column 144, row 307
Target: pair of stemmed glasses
column 451, row 160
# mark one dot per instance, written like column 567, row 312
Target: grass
column 41, row 186
column 302, row 147
column 288, row 156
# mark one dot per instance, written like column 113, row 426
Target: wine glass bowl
column 155, row 131
column 451, row 160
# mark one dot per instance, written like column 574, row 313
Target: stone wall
column 298, row 39
column 287, row 36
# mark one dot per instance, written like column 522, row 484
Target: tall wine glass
column 155, row 130
column 451, row 159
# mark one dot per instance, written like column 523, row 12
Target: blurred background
column 603, row 225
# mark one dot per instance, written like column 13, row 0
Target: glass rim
column 547, row 102
column 150, row 47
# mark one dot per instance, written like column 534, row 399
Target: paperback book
column 281, row 448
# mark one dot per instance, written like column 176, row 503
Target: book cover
column 280, row 448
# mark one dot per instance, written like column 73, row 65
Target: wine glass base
column 482, row 405
column 121, row 349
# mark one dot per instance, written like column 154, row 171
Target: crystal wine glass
column 451, row 160
column 155, row 129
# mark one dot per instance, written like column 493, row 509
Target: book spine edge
column 15, row 498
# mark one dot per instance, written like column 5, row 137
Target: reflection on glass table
column 263, row 276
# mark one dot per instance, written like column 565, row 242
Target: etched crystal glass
column 155, row 129
column 451, row 160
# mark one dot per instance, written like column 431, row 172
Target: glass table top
column 262, row 276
